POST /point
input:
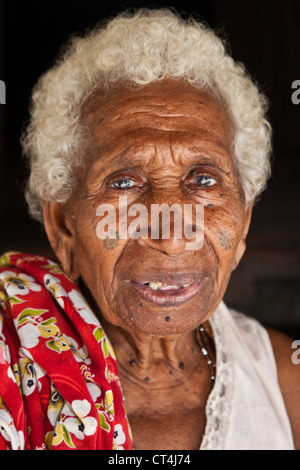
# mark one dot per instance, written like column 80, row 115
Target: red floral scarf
column 59, row 383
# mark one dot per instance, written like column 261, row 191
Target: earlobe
column 60, row 236
column 242, row 243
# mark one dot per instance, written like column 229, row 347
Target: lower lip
column 168, row 298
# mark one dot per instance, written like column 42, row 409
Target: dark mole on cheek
column 132, row 362
column 110, row 243
column 181, row 365
column 168, row 319
column 147, row 379
column 234, row 219
column 141, row 305
column 225, row 239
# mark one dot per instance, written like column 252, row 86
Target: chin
column 144, row 317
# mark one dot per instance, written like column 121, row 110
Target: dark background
column 265, row 35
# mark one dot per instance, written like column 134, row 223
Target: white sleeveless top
column 245, row 410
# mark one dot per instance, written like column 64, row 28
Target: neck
column 151, row 359
column 154, row 359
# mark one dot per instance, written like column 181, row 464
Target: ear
column 60, row 233
column 242, row 243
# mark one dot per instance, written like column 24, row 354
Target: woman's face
column 166, row 143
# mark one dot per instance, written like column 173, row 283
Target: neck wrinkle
column 147, row 361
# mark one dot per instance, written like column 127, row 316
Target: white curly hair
column 140, row 47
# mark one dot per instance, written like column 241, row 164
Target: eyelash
column 191, row 181
column 207, row 177
column 120, row 180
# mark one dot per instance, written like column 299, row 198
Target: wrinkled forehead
column 155, row 103
column 171, row 112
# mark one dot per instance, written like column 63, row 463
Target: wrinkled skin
column 159, row 140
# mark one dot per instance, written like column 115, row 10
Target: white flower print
column 94, row 390
column 3, row 297
column 54, row 286
column 30, row 372
column 82, row 307
column 81, row 355
column 81, row 424
column 55, row 405
column 4, row 349
column 18, row 284
column 29, row 335
column 9, row 431
column 119, row 438
column 11, row 375
column 4, row 352
column 35, row 327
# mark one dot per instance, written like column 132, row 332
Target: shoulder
column 287, row 356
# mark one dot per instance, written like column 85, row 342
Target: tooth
column 154, row 285
column 159, row 285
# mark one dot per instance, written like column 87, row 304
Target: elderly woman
column 124, row 341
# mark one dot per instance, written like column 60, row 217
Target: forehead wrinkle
column 151, row 131
column 156, row 154
column 113, row 110
column 204, row 155
column 128, row 158
column 128, row 98
column 153, row 128
column 201, row 150
column 158, row 122
column 112, row 113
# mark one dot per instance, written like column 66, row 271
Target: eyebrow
column 132, row 157
column 212, row 166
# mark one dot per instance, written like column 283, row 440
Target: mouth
column 164, row 294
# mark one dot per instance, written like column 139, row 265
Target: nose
column 166, row 231
column 172, row 246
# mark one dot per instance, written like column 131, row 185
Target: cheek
column 223, row 228
column 225, row 239
column 96, row 258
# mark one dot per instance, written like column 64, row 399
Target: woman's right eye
column 124, row 183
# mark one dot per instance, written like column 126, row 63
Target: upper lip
column 172, row 279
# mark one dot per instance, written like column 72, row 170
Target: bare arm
column 289, row 378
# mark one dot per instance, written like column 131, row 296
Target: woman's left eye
column 204, row 181
column 124, row 183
